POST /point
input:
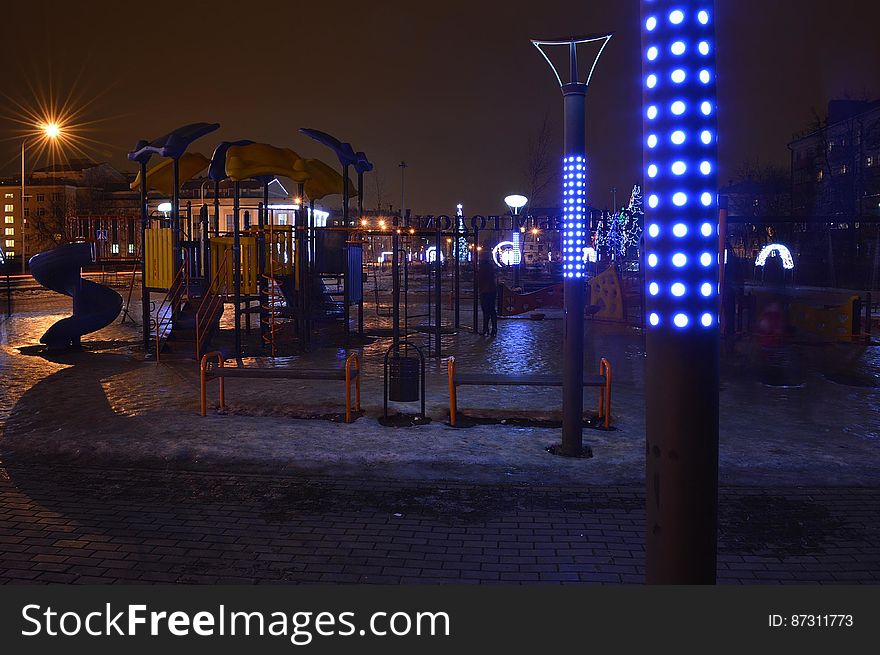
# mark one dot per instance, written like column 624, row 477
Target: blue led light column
column 574, row 230
column 681, row 280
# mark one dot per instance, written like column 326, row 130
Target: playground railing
column 211, row 307
column 166, row 309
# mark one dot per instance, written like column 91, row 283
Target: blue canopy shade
column 173, row 144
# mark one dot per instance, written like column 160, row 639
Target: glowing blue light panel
column 574, row 189
column 680, row 148
column 517, row 246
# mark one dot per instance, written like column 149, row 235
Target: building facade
column 835, row 168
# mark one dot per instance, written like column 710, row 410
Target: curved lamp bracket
column 570, row 73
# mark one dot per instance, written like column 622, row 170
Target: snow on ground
column 106, row 406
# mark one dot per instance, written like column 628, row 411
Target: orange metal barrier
column 203, row 370
column 453, row 398
column 605, row 392
column 208, row 370
column 357, row 361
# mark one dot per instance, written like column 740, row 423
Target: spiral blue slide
column 94, row 305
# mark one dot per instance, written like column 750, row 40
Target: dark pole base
column 573, row 368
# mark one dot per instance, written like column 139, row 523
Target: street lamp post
column 395, row 261
column 50, row 131
column 682, row 299
column 574, row 232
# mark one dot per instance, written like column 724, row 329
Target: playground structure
column 94, row 305
column 607, row 298
column 271, row 270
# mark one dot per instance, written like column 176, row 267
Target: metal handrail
column 212, row 301
column 178, row 290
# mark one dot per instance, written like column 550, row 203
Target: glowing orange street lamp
column 51, row 131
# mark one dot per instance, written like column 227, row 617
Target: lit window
column 10, row 231
column 9, row 195
column 10, row 208
column 10, row 219
column 10, row 243
column 131, row 249
column 114, row 248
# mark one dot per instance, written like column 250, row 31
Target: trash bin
column 403, row 379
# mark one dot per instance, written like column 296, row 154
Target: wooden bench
column 456, row 379
column 213, row 366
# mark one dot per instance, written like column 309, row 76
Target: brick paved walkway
column 91, row 526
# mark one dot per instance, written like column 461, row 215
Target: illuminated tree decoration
column 680, row 166
column 463, row 251
column 635, row 215
column 620, row 231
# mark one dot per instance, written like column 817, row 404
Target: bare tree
column 763, row 190
column 380, row 189
column 49, row 225
column 540, row 169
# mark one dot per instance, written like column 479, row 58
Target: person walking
column 487, row 286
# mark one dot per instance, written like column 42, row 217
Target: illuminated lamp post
column 682, row 300
column 516, row 202
column 49, row 131
column 573, row 83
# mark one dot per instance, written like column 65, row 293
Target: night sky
column 454, row 88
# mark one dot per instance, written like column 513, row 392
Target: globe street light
column 49, row 131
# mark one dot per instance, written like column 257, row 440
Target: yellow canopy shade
column 258, row 159
column 322, row 180
column 161, row 176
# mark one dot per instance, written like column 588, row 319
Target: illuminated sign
column 777, row 248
